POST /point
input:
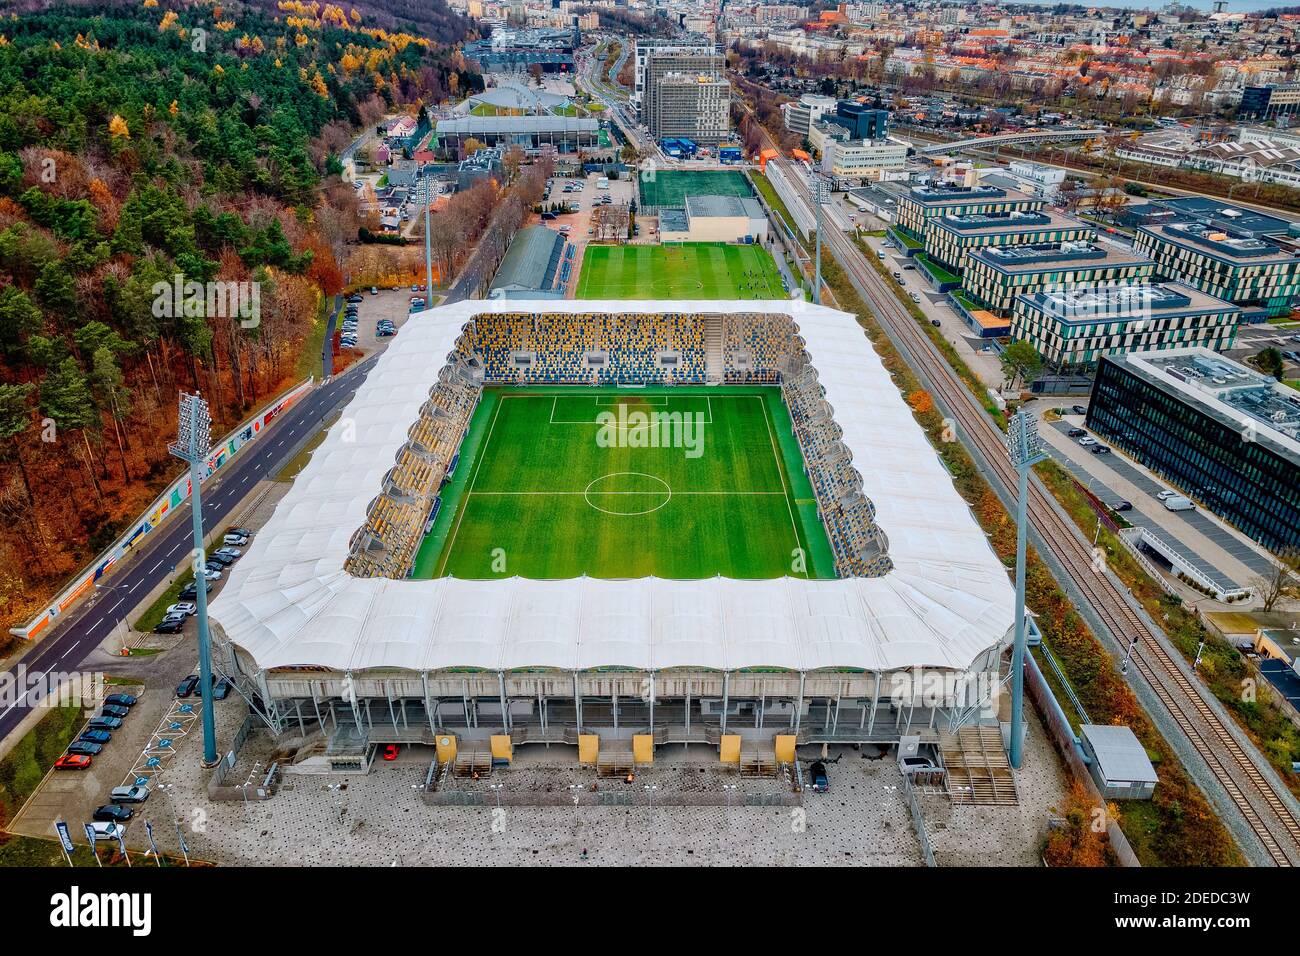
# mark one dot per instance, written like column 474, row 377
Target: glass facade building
column 1216, row 430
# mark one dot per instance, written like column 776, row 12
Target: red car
column 72, row 762
column 391, row 751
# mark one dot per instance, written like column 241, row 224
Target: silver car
column 137, row 794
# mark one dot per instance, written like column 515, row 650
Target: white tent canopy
column 947, row 602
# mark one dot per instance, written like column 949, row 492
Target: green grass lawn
column 671, row 187
column 547, row 488
column 694, row 270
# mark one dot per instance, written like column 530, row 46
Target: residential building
column 1074, row 330
column 1224, row 434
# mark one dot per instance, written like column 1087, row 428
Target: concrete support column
column 798, row 705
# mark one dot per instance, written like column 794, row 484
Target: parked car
column 1076, row 432
column 112, row 813
column 84, row 748
column 191, row 591
column 105, row 830
column 916, row 764
column 391, row 751
column 187, row 686
column 817, row 777
column 72, row 762
column 242, row 532
column 1079, row 409
column 219, row 561
column 374, row 290
column 229, row 555
column 210, row 573
column 1165, row 495
column 100, row 737
column 170, row 625
column 355, row 297
column 109, row 710
column 1122, row 506
column 1100, row 449
column 1087, row 440
column 236, row 540
column 221, row 689
column 182, row 608
column 121, row 700
column 104, row 723
column 128, row 794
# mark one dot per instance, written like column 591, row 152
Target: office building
column 694, row 106
column 669, row 50
column 950, row 238
column 995, row 275
column 1074, row 330
column 921, row 204
column 1220, row 432
column 802, row 114
column 1255, row 273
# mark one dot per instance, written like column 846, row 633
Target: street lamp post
column 819, row 197
column 193, row 440
column 1025, row 451
column 428, row 240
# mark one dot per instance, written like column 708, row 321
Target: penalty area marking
column 633, row 401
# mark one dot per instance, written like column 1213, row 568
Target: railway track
column 1262, row 807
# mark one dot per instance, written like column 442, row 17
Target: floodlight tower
column 1025, row 451
column 193, row 440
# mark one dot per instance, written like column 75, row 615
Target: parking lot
column 580, row 229
column 391, row 304
column 1223, row 553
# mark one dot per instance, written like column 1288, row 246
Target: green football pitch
column 671, row 187
column 691, row 270
column 677, row 482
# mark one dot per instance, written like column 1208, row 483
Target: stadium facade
column 320, row 627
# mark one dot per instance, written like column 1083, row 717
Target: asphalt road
column 85, row 628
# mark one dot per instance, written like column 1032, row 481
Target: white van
column 1179, row 503
column 602, row 183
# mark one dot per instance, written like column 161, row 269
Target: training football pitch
column 692, row 270
column 671, row 187
column 678, row 482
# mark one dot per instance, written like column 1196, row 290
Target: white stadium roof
column 946, row 603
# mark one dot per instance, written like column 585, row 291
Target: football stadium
column 619, row 525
